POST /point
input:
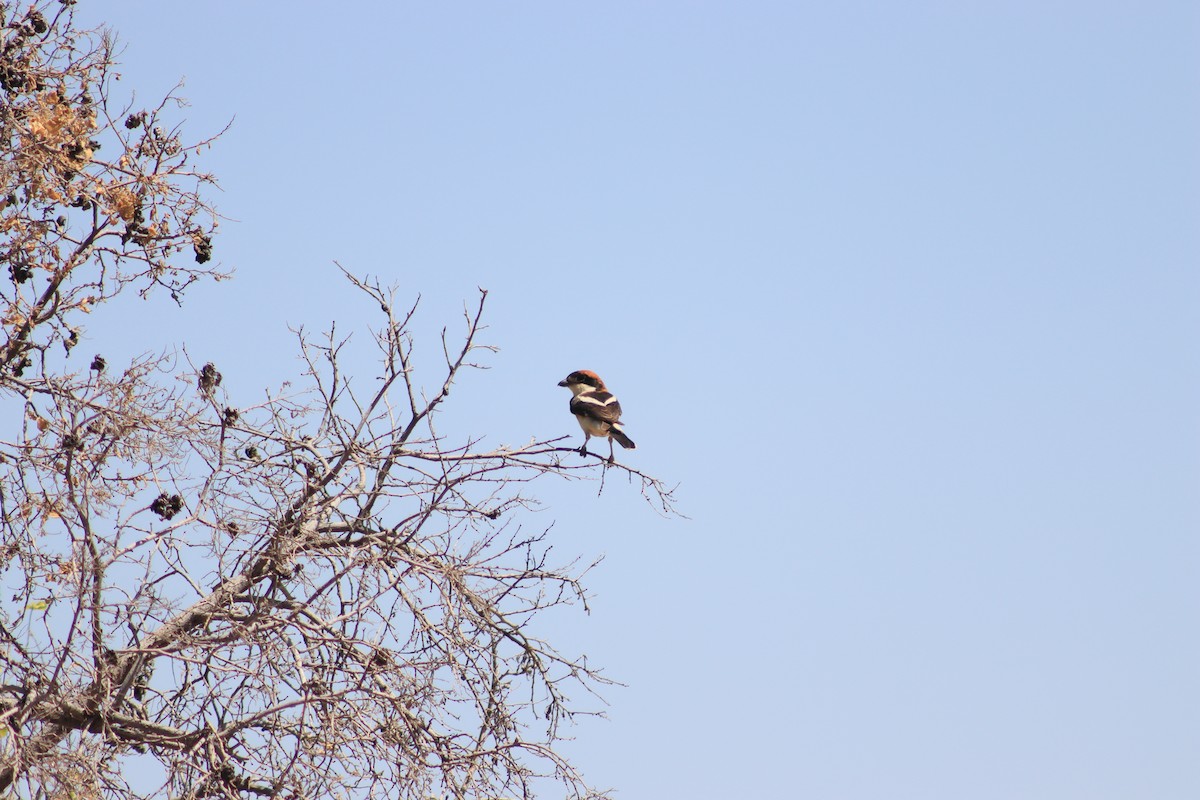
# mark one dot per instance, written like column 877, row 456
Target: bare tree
column 314, row 596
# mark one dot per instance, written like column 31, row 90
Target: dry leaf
column 124, row 203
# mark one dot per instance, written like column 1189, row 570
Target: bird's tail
column 617, row 433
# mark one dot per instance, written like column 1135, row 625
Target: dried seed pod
column 203, row 247
column 209, row 378
column 19, row 273
column 167, row 506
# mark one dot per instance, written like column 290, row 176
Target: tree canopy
column 313, row 596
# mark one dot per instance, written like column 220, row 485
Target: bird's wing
column 601, row 406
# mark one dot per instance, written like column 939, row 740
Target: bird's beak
column 562, row 383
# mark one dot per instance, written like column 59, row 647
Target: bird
column 597, row 410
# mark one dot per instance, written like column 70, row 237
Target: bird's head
column 582, row 380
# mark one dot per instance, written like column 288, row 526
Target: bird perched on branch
column 597, row 410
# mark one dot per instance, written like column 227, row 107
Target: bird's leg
column 583, row 447
column 612, row 457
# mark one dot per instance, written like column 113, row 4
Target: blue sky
column 903, row 295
